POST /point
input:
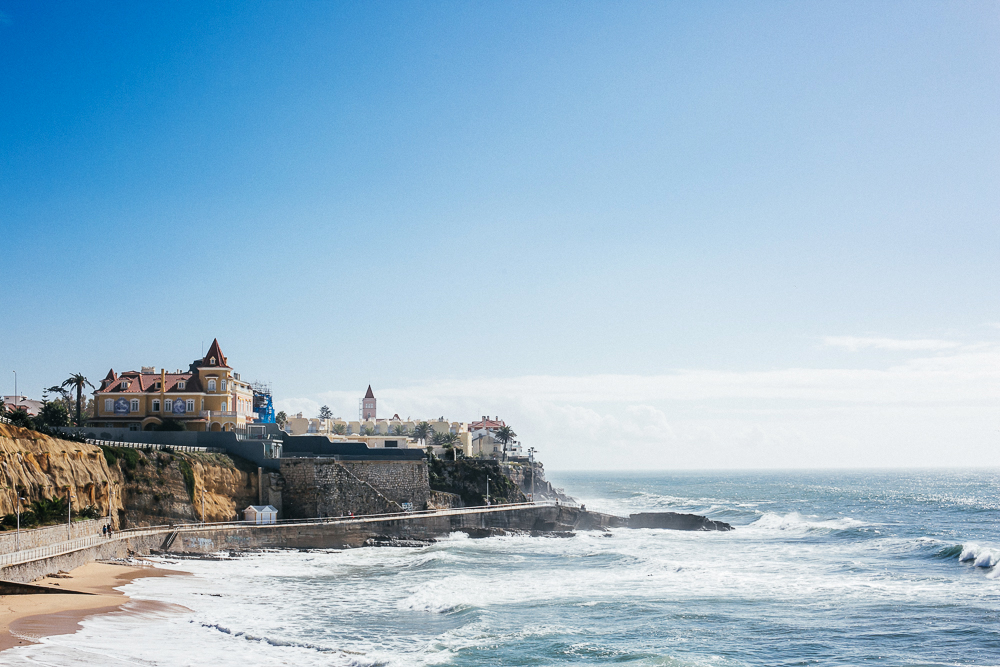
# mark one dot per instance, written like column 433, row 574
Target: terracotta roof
column 215, row 351
column 145, row 383
column 369, row 394
column 489, row 424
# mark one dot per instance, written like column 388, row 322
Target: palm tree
column 368, row 430
column 399, row 430
column 421, row 431
column 505, row 434
column 77, row 380
column 340, row 429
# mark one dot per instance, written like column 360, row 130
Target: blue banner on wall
column 121, row 406
column 178, row 406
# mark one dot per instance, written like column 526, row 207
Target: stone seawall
column 28, row 572
column 326, row 487
column 357, row 532
column 43, row 537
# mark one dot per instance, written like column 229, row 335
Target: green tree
column 422, row 431
column 368, row 430
column 325, row 412
column 506, row 435
column 77, row 381
column 340, row 429
column 281, row 418
column 448, row 441
column 399, row 430
column 53, row 413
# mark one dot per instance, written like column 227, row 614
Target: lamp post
column 69, row 514
column 15, row 390
column 531, row 463
column 203, row 504
column 487, row 490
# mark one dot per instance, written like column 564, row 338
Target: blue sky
column 441, row 199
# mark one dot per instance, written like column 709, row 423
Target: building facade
column 208, row 397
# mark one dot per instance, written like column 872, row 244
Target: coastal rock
column 675, row 521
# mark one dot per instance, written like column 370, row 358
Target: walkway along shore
column 327, row 533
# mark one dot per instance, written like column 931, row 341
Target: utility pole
column 69, row 514
column 487, row 490
column 15, row 390
column 203, row 504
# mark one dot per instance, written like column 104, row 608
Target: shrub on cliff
column 188, row 476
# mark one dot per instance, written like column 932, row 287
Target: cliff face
column 520, row 474
column 143, row 487
column 466, row 478
column 162, row 487
column 42, row 467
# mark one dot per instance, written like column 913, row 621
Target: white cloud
column 855, row 343
column 932, row 410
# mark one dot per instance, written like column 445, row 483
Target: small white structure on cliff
column 261, row 514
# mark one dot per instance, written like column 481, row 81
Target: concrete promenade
column 334, row 532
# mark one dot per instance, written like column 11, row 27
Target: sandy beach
column 24, row 618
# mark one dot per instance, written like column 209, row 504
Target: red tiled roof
column 369, row 394
column 215, row 351
column 145, row 383
column 489, row 424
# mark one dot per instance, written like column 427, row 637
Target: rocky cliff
column 161, row 487
column 466, row 478
column 42, row 467
column 141, row 487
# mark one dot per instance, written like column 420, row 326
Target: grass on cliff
column 188, row 474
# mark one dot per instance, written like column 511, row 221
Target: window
column 134, row 405
column 181, row 385
column 211, row 385
column 168, row 405
column 212, row 361
column 190, row 405
column 156, row 405
column 124, row 384
column 203, row 404
column 223, row 385
column 109, row 405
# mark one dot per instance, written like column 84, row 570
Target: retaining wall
column 43, row 537
column 324, row 487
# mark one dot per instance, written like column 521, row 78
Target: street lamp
column 69, row 513
column 203, row 504
column 487, row 490
column 531, row 463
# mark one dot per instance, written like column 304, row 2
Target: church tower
column 368, row 406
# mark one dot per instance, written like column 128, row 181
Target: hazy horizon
column 710, row 235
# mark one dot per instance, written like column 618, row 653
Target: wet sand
column 26, row 618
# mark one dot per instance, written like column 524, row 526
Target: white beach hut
column 260, row 514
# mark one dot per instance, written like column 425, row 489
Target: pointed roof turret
column 369, row 394
column 214, row 357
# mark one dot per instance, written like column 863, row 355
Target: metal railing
column 156, row 446
column 69, row 546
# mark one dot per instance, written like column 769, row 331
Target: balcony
column 208, row 414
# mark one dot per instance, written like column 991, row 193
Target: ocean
column 824, row 568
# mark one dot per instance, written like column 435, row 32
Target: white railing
column 159, row 447
column 217, row 413
column 79, row 544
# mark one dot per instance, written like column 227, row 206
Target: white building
column 260, row 514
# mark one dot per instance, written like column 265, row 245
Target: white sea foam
column 795, row 521
column 979, row 555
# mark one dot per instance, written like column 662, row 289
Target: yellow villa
column 208, row 397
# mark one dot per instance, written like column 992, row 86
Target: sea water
column 824, row 568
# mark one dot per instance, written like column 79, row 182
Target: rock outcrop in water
column 674, row 521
